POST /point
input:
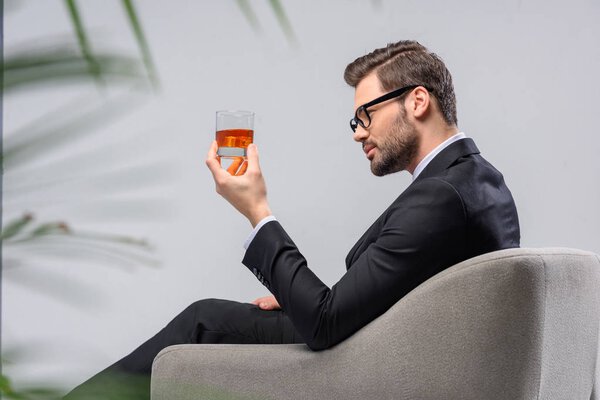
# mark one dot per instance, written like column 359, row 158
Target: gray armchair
column 512, row 324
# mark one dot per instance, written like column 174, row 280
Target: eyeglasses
column 362, row 117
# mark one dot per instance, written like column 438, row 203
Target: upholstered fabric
column 512, row 324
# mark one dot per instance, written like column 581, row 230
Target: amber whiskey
column 234, row 142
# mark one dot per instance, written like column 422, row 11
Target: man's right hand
column 267, row 303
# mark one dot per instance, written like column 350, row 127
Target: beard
column 397, row 149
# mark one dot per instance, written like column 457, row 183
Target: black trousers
column 204, row 321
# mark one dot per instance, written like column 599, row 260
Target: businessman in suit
column 457, row 206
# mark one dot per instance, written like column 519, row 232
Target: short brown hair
column 405, row 63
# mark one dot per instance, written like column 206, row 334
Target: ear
column 420, row 102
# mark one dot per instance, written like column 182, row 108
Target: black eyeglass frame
column 355, row 121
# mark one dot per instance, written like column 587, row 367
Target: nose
column 360, row 134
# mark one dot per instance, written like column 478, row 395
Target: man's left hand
column 244, row 189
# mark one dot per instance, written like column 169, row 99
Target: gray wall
column 526, row 79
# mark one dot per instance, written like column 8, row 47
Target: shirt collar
column 421, row 166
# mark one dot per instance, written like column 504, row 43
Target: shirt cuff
column 257, row 228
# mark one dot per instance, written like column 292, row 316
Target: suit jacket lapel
column 443, row 160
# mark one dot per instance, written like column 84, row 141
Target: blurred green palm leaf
column 284, row 21
column 7, row 391
column 84, row 45
column 63, row 65
column 280, row 14
column 246, row 9
column 66, row 63
column 43, row 136
column 93, row 62
column 15, row 226
column 59, row 236
column 59, row 63
column 138, row 31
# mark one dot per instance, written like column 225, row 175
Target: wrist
column 259, row 215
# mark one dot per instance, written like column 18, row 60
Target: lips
column 367, row 149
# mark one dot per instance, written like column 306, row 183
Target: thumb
column 253, row 164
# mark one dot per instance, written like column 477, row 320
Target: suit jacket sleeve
column 422, row 232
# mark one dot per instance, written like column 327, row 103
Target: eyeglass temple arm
column 392, row 94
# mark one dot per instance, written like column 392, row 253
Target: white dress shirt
column 420, row 167
column 256, row 228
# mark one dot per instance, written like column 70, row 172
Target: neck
column 429, row 141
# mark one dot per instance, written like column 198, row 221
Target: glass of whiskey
column 235, row 131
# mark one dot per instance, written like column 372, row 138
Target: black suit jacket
column 457, row 208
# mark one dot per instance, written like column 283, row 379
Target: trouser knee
column 203, row 306
column 205, row 312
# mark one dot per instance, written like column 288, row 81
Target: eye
column 361, row 114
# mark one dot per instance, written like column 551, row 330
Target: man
column 457, row 207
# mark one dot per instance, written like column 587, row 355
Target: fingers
column 243, row 168
column 270, row 304
column 212, row 160
column 235, row 165
column 257, row 301
column 238, row 167
column 266, row 303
